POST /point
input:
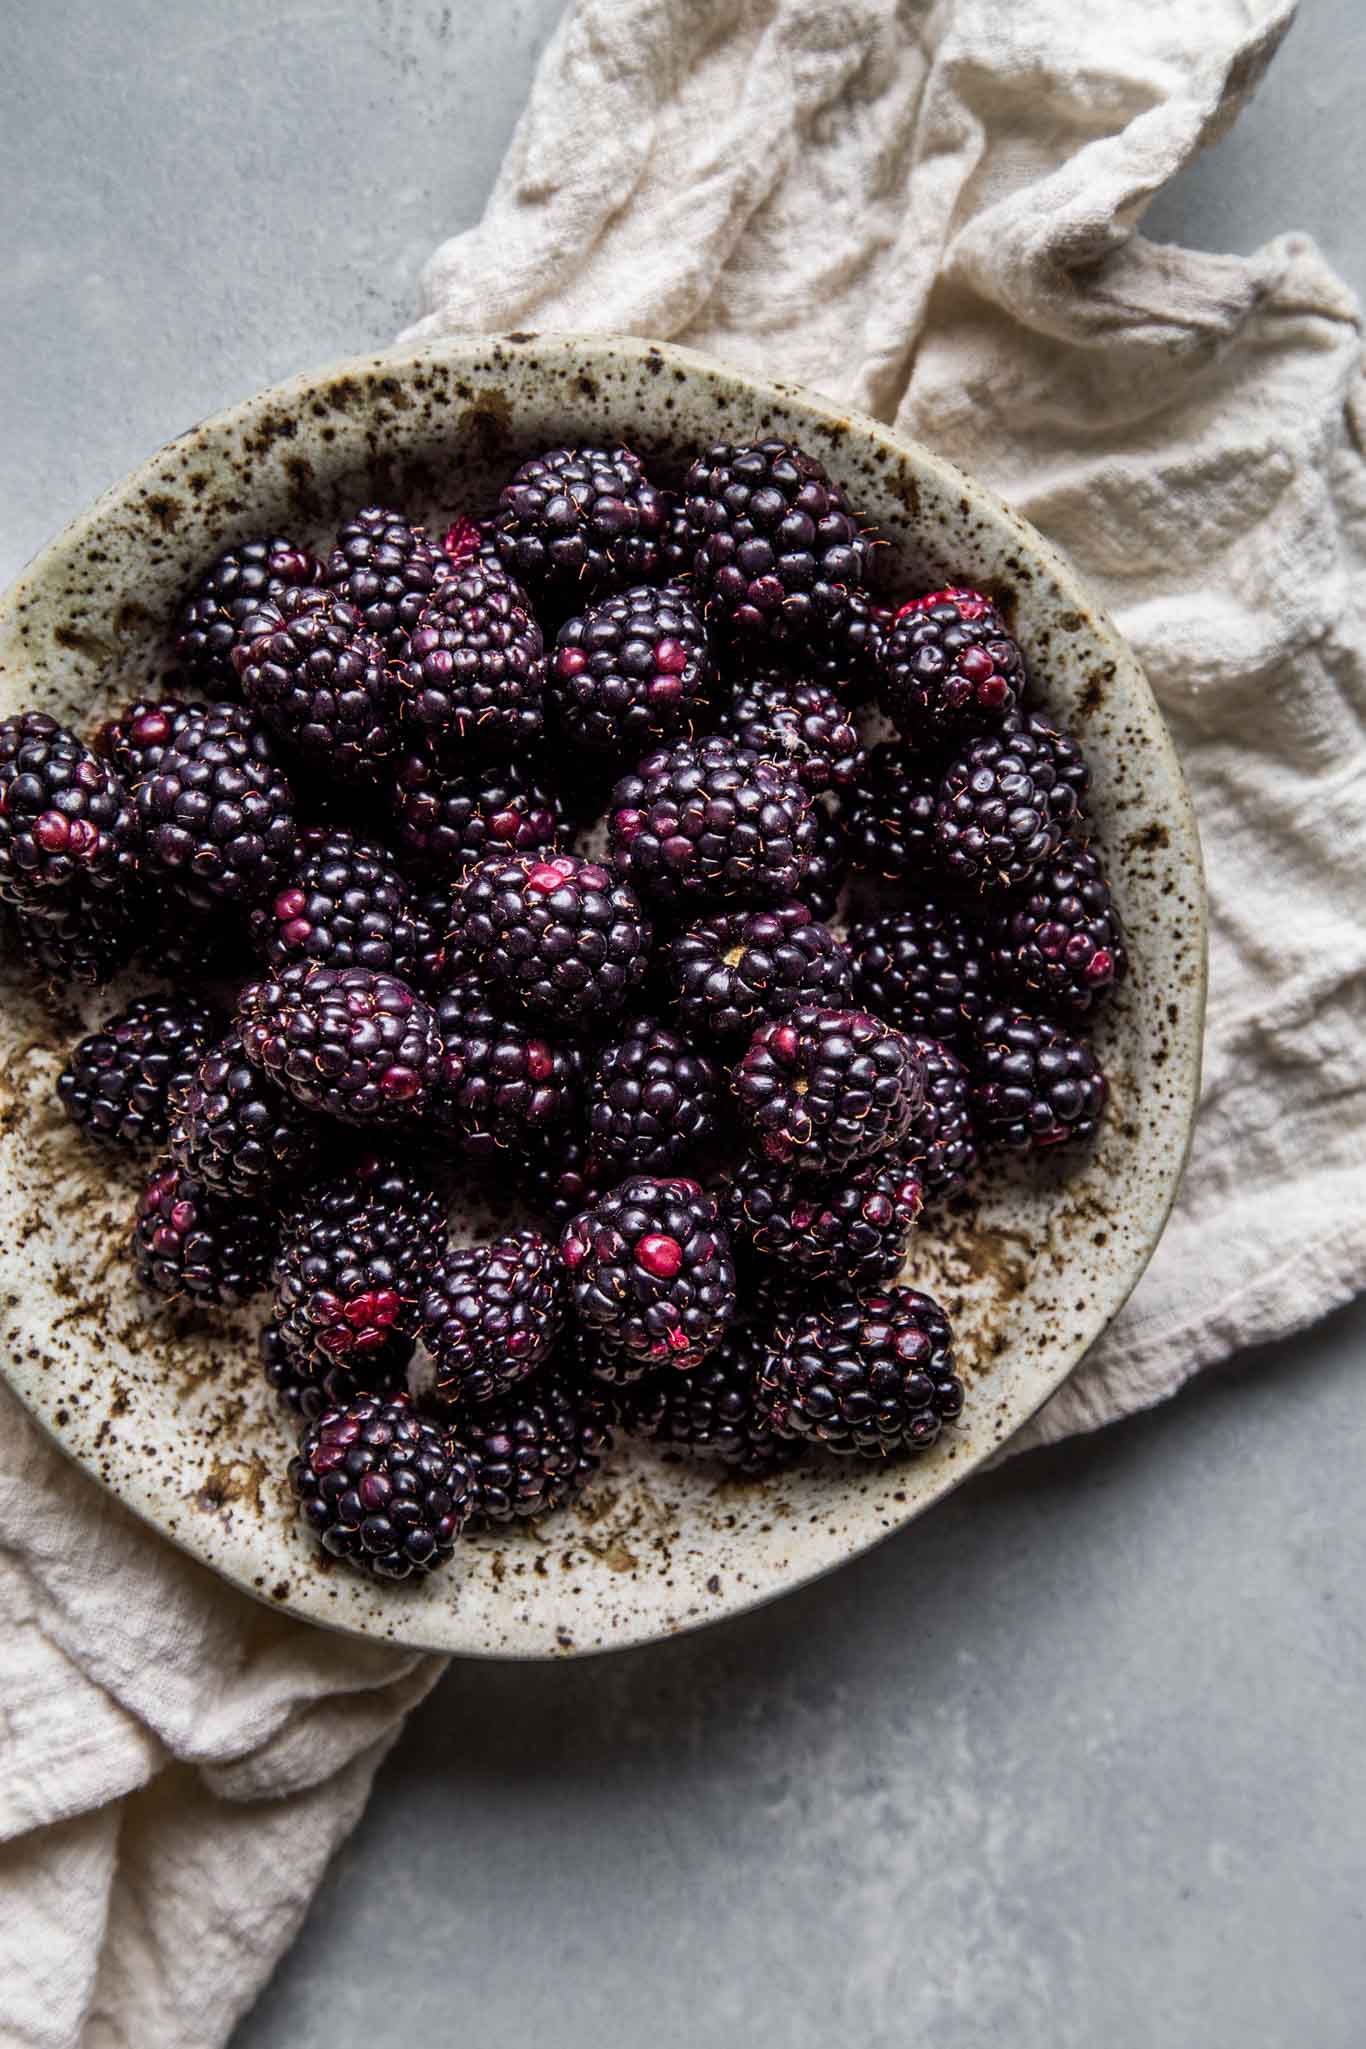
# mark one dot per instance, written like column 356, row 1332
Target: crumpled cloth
column 927, row 211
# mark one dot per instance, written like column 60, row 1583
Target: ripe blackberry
column 575, row 522
column 237, row 585
column 1059, row 944
column 728, row 973
column 355, row 1256
column 778, row 550
column 853, row 1228
column 801, row 725
column 712, row 1412
column 632, row 672
column 1034, row 1085
column 234, row 1130
column 188, row 1241
column 474, row 673
column 822, row 886
column 950, row 669
column 116, row 1082
column 923, row 968
column 943, row 1142
column 650, row 1276
column 1070, row 765
column 386, row 569
column 446, row 822
column 81, row 935
column 849, row 662
column 889, row 814
column 217, row 813
column 709, row 822
column 382, row 1488
column 823, row 1089
column 352, row 1044
column 65, row 818
column 868, row 1377
column 318, row 679
column 135, row 741
column 1001, row 812
column 537, row 1448
column 490, row 1315
column 344, row 904
column 502, row 1084
column 560, row 939
column 653, row 1102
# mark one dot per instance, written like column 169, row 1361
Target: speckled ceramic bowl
column 173, row 1415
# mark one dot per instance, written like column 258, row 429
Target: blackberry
column 889, row 814
column 386, row 569
column 823, row 1089
column 778, row 550
column 555, row 1177
column 869, row 1377
column 217, row 813
column 950, row 669
column 65, row 818
column 575, row 522
column 650, row 1276
column 1059, row 944
column 559, row 939
column 502, row 1084
column 943, row 1141
column 489, row 1315
column 446, row 822
column 922, row 968
column 382, row 1488
column 355, row 1256
column 801, row 725
column 709, row 822
column 537, row 1448
column 189, row 1241
column 344, row 904
column 117, row 1081
column 307, row 1387
column 632, row 672
column 850, row 661
column 653, row 1102
column 1070, row 766
column 1033, row 1084
column 234, row 1130
column 474, row 673
column 135, row 741
column 712, row 1412
column 238, row 584
column 81, row 936
column 318, row 679
column 347, row 1042
column 1001, row 812
column 853, row 1228
column 822, row 886
column 727, row 974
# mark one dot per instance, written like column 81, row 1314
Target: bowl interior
column 171, row 1412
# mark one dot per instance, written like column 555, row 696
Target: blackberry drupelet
column 822, row 886
column 317, row 677
column 503, row 1084
column 709, row 822
column 778, row 551
column 217, row 812
column 1001, row 812
column 631, row 673
column 889, row 814
column 852, row 1228
column 923, row 968
column 943, row 1142
column 386, row 568
column 355, row 1256
column 1070, row 766
column 712, row 1412
column 383, row 1488
column 234, row 1130
column 189, row 1241
column 576, row 522
column 1034, row 1085
column 560, row 939
column 239, row 583
column 650, row 1276
column 472, row 540
column 474, row 673
column 869, row 1377
column 135, row 741
column 446, row 822
column 727, row 974
column 489, row 1315
column 117, row 1081
column 66, row 821
column 344, row 904
column 822, row 1089
column 653, row 1102
column 536, row 1448
column 1058, row 944
column 950, row 669
column 804, row 726
column 355, row 1045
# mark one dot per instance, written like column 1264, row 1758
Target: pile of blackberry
column 537, row 825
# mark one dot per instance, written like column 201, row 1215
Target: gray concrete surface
column 1079, row 1759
